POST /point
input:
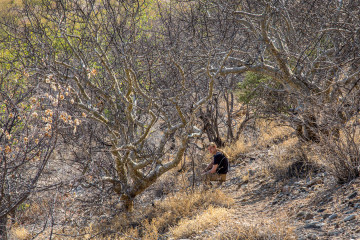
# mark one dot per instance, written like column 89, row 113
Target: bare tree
column 27, row 128
column 306, row 48
column 103, row 61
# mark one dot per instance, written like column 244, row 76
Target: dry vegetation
column 4, row 4
column 173, row 213
column 240, row 209
column 134, row 143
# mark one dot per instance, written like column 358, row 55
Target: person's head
column 212, row 148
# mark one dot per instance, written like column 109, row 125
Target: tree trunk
column 128, row 203
column 3, row 230
column 308, row 130
column 229, row 102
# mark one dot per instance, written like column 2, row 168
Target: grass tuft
column 20, row 233
column 209, row 218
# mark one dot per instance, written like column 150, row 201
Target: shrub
column 342, row 155
column 292, row 162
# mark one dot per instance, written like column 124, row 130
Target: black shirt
column 222, row 162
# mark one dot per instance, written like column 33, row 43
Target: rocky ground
column 282, row 202
column 311, row 207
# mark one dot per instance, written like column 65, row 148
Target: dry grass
column 5, row 4
column 288, row 158
column 238, row 149
column 152, row 221
column 289, row 162
column 264, row 230
column 20, row 233
column 183, row 203
column 209, row 218
column 272, row 133
column 341, row 155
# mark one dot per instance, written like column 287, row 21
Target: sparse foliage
column 27, row 130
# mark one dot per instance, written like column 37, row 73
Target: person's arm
column 210, row 166
column 213, row 169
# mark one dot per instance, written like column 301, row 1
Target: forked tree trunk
column 3, row 230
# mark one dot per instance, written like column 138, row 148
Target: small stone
column 321, row 210
column 357, row 205
column 312, row 237
column 350, row 212
column 313, row 182
column 349, row 218
column 285, row 189
column 332, row 216
column 334, row 233
column 309, row 216
column 329, row 199
column 314, row 225
column 353, row 195
column 297, row 184
column 326, row 216
column 301, row 214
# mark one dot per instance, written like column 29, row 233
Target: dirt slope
column 307, row 207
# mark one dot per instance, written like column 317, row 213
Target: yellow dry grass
column 265, row 229
column 211, row 217
column 20, row 233
column 237, row 149
column 270, row 131
column 183, row 203
column 4, row 4
column 166, row 214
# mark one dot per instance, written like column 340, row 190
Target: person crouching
column 219, row 166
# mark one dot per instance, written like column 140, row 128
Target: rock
column 312, row 237
column 350, row 212
column 334, row 233
column 313, row 182
column 297, row 184
column 321, row 175
column 309, row 216
column 332, row 216
column 285, row 189
column 313, row 225
column 349, row 218
column 325, row 216
column 321, row 210
column 353, row 195
column 357, row 205
column 301, row 215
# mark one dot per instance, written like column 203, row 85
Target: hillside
column 312, row 206
column 278, row 195
column 273, row 191
column 107, row 109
